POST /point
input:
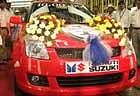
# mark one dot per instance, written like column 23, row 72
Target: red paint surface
column 138, row 79
column 6, row 80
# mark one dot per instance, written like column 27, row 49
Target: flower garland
column 44, row 28
column 108, row 27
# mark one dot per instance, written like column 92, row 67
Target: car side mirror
column 16, row 19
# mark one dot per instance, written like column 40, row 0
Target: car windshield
column 71, row 13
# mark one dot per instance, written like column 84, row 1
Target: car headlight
column 36, row 49
column 116, row 51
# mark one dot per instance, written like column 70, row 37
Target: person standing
column 135, row 34
column 4, row 19
column 95, row 11
column 110, row 11
column 8, row 7
column 123, row 15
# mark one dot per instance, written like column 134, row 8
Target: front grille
column 89, row 81
column 77, row 53
column 70, row 53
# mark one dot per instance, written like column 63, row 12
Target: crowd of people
column 130, row 20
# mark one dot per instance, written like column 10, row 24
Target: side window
column 43, row 9
column 78, row 12
column 85, row 10
column 61, row 13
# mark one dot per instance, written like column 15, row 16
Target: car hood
column 75, row 36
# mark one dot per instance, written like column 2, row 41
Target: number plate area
column 77, row 67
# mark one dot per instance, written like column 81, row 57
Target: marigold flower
column 49, row 43
column 120, row 32
column 98, row 18
column 44, row 28
column 42, row 25
column 108, row 24
column 34, row 37
column 53, row 36
column 116, row 36
column 41, row 38
column 122, row 42
column 47, row 33
column 39, row 31
column 103, row 27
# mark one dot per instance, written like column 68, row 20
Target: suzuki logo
column 71, row 68
column 81, row 67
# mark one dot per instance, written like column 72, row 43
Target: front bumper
column 55, row 90
column 56, row 68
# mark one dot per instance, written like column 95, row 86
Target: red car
column 60, row 70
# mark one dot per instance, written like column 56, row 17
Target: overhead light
column 19, row 0
column 22, row 3
column 72, row 0
column 19, row 6
column 56, row 0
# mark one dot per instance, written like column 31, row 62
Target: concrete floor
column 135, row 91
column 6, row 80
column 130, row 92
